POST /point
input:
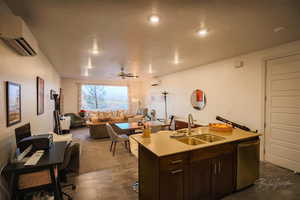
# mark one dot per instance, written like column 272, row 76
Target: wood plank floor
column 114, row 180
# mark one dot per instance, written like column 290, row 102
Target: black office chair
column 171, row 121
column 57, row 128
column 70, row 165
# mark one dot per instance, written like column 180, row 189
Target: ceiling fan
column 124, row 75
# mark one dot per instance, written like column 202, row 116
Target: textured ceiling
column 66, row 30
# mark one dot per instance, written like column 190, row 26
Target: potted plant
column 82, row 113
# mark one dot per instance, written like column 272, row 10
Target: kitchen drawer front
column 173, row 161
column 211, row 152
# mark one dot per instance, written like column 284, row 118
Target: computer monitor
column 22, row 132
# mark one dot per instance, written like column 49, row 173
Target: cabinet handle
column 176, row 171
column 215, row 167
column 173, row 162
column 219, row 167
column 248, row 144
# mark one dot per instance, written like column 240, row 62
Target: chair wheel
column 73, row 187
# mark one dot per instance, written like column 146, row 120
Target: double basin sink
column 200, row 139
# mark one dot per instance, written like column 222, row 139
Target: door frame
column 265, row 61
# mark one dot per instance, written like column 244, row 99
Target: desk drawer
column 35, row 179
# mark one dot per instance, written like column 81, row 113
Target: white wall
column 235, row 93
column 71, row 92
column 24, row 70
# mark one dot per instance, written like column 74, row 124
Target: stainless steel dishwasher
column 247, row 163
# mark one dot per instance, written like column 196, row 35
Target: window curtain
column 79, row 85
column 61, row 99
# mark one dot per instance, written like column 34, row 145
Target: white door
column 283, row 112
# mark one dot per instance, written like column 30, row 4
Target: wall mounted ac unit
column 15, row 33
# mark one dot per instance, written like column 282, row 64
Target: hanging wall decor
column 40, row 95
column 13, row 103
column 198, row 99
column 52, row 92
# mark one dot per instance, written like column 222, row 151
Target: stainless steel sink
column 209, row 138
column 190, row 141
column 185, row 130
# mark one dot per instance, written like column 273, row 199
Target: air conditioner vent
column 15, row 33
column 21, row 46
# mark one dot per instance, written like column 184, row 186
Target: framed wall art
column 13, row 103
column 40, row 95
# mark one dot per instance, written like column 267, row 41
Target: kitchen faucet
column 190, row 123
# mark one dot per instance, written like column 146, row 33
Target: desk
column 48, row 162
column 62, row 138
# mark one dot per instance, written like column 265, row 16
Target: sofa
column 98, row 131
column 97, row 120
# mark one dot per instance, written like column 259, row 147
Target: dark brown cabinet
column 173, row 177
column 212, row 172
column 180, row 125
column 202, row 174
column 200, row 180
column 172, row 184
column 222, row 175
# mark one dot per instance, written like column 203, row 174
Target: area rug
column 95, row 154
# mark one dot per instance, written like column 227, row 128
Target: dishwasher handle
column 249, row 144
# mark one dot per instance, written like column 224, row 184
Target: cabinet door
column 200, row 180
column 223, row 175
column 172, row 183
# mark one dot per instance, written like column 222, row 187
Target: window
column 104, row 98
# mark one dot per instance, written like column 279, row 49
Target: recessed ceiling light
column 202, row 32
column 154, row 19
column 89, row 65
column 150, row 69
column 95, row 49
column 176, row 58
column 86, row 72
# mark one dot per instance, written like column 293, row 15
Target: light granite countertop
column 161, row 144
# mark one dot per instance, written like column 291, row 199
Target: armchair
column 76, row 120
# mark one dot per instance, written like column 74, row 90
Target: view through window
column 104, row 98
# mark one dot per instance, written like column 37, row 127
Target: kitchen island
column 203, row 165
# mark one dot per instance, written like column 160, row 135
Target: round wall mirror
column 198, row 99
